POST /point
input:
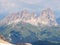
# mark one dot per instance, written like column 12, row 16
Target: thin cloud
column 37, row 5
column 31, row 1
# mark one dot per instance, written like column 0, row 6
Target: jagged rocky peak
column 47, row 17
column 25, row 14
column 29, row 17
column 11, row 17
column 33, row 14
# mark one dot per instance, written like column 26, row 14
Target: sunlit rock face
column 29, row 17
column 47, row 17
column 23, row 16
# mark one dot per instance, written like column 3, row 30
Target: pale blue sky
column 9, row 6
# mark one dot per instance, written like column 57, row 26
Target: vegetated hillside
column 25, row 32
column 44, row 43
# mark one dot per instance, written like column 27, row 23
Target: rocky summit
column 46, row 17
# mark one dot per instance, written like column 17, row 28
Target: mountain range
column 29, row 27
column 46, row 17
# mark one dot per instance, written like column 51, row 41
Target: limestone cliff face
column 47, row 17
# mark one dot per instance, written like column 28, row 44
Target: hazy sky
column 8, row 6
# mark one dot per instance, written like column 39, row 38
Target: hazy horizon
column 10, row 6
